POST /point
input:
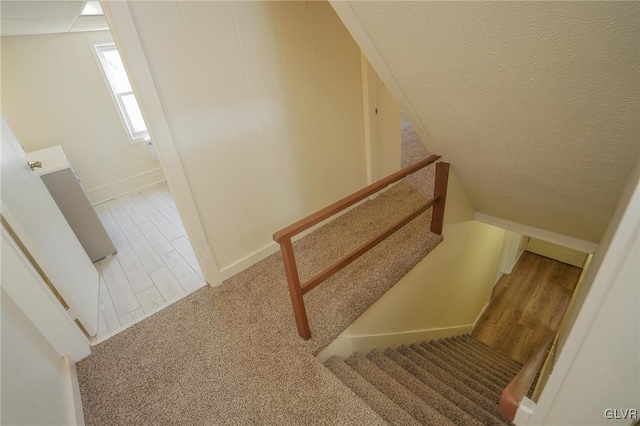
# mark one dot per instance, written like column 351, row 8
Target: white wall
column 53, row 93
column 264, row 103
column 36, row 384
column 513, row 245
column 599, row 341
column 443, row 294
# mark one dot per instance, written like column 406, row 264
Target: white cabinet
column 67, row 191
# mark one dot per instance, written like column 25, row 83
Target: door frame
column 126, row 37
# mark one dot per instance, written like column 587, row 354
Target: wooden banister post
column 291, row 270
column 440, row 191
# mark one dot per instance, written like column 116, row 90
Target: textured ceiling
column 535, row 104
column 22, row 17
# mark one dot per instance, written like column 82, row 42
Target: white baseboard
column 112, row 190
column 76, row 399
column 344, row 346
column 266, row 251
column 480, row 314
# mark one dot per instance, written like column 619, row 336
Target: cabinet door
column 31, row 212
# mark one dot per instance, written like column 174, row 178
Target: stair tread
column 388, row 410
column 494, row 352
column 415, row 406
column 484, row 409
column 452, row 381
column 469, row 381
column 487, row 359
column 464, row 385
column 426, row 393
column 474, row 363
column 439, row 354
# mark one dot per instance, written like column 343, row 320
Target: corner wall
column 53, row 93
column 264, row 104
column 443, row 295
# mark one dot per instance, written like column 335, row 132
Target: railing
column 520, row 384
column 284, row 236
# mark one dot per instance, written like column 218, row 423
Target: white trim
column 524, row 412
column 481, row 312
column 134, row 137
column 541, row 234
column 370, row 105
column 255, row 257
column 74, row 390
column 352, row 23
column 126, row 37
column 271, row 248
column 120, row 187
column 344, row 346
column 32, row 296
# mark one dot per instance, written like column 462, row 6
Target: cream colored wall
column 264, row 103
column 389, row 131
column 53, row 93
column 445, row 292
column 556, row 252
column 36, row 387
column 383, row 128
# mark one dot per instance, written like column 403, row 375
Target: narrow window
column 122, row 92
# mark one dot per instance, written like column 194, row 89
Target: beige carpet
column 231, row 354
column 453, row 381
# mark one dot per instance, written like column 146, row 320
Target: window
column 122, row 92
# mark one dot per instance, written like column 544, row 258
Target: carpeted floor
column 231, row 354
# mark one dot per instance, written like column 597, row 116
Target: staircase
column 454, row 381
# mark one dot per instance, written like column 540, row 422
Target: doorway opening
column 58, row 96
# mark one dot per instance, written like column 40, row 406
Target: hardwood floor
column 527, row 306
column 155, row 264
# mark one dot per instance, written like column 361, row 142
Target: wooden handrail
column 313, row 282
column 332, row 209
column 518, row 387
column 283, row 237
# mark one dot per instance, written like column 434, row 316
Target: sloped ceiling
column 535, row 104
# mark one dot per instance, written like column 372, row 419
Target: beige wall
column 383, row 128
column 36, row 388
column 447, row 290
column 264, row 103
column 53, row 93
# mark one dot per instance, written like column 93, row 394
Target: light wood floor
column 155, row 264
column 527, row 306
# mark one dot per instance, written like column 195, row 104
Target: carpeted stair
column 454, row 381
